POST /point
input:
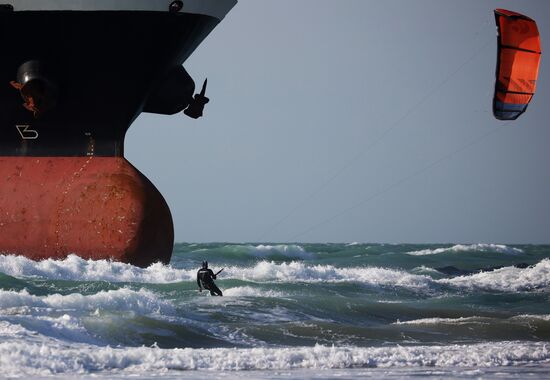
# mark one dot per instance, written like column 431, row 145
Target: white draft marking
column 26, row 133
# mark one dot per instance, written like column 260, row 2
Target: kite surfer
column 205, row 279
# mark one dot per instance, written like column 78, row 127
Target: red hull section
column 95, row 207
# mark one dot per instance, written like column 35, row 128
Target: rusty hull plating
column 96, row 207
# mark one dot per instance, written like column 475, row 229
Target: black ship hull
column 105, row 65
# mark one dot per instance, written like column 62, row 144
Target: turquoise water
column 289, row 310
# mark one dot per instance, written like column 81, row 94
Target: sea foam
column 508, row 279
column 248, row 291
column 31, row 359
column 63, row 316
column 120, row 300
column 74, row 268
column 496, row 248
column 445, row 321
column 526, row 318
column 295, row 272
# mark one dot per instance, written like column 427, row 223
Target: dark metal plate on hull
column 104, row 65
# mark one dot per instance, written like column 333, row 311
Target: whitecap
column 289, row 251
column 51, row 357
column 475, row 320
column 120, row 300
column 496, row 248
column 532, row 317
column 248, row 291
column 296, row 272
column 507, row 279
column 444, row 321
column 75, row 268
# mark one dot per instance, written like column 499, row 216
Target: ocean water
column 291, row 311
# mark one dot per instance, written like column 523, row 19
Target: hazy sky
column 354, row 120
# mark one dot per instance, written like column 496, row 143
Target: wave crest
column 293, row 272
column 525, row 318
column 35, row 359
column 120, row 300
column 507, row 279
column 248, row 291
column 289, row 251
column 74, row 268
column 77, row 269
column 496, row 248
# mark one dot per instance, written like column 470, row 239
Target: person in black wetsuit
column 205, row 279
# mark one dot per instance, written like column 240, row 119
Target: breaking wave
column 248, row 291
column 77, row 269
column 384, row 309
column 508, row 279
column 32, row 359
column 496, row 248
column 300, row 272
column 63, row 316
column 120, row 300
column 73, row 268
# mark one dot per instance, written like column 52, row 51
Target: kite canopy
column 518, row 62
